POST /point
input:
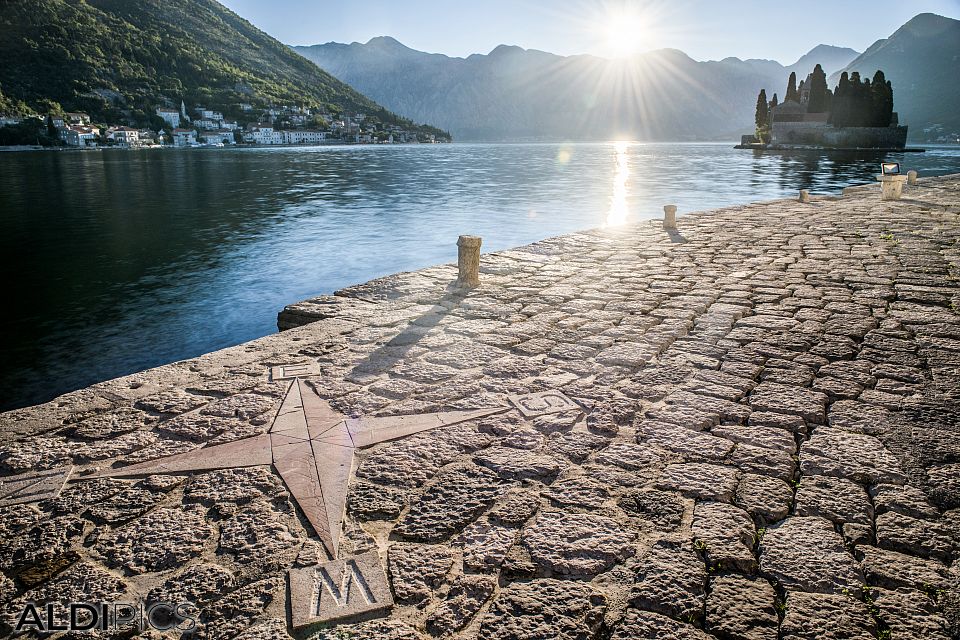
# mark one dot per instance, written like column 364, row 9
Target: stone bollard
column 891, row 187
column 468, row 261
column 804, row 195
column 669, row 216
column 912, row 177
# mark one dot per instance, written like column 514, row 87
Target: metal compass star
column 311, row 446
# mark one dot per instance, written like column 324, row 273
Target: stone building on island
column 856, row 114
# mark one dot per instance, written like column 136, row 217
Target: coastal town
column 199, row 126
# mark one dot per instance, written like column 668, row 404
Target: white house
column 220, row 135
column 184, row 137
column 207, row 124
column 304, row 136
column 125, row 136
column 209, row 114
column 264, row 134
column 170, row 116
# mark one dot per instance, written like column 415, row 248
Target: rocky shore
column 744, row 428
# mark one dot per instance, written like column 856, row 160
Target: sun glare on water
column 617, row 214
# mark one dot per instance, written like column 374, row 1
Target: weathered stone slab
column 805, row 554
column 416, row 570
column 909, row 614
column 577, row 543
column 466, row 597
column 742, row 608
column 780, row 398
column 663, row 509
column 693, row 445
column 927, row 538
column 904, row 499
column 758, row 436
column 763, row 497
column 820, row 616
column 895, row 570
column 729, row 412
column 726, row 534
column 763, row 461
column 338, row 590
column 653, row 626
column 545, row 608
column 858, row 457
column 582, row 491
column 629, row 456
column 835, row 499
column 700, row 480
column 670, row 579
column 519, row 464
column 453, row 501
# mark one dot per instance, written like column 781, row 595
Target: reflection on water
column 117, row 261
column 618, row 200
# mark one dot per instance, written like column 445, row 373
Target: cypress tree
column 792, row 89
column 817, row 102
column 840, row 111
column 761, row 118
column 881, row 99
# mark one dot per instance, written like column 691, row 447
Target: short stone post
column 804, row 195
column 669, row 216
column 891, row 187
column 468, row 261
column 912, row 177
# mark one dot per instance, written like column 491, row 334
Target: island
column 858, row 114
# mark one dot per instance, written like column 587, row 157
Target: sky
column 705, row 30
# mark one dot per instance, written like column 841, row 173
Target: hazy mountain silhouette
column 921, row 59
column 520, row 94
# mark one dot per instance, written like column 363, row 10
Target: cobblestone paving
column 766, row 444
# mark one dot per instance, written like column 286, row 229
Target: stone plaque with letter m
column 339, row 589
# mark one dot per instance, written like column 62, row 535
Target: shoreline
column 27, row 148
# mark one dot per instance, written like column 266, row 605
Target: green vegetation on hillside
column 118, row 60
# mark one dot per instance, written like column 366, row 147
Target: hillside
column 921, row 60
column 117, row 60
column 518, row 94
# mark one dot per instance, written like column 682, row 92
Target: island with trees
column 857, row 114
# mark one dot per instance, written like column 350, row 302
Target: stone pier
column 744, row 428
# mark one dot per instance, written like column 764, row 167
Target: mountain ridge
column 514, row 93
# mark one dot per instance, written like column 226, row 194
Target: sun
column 624, row 33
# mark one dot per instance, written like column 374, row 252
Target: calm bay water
column 116, row 261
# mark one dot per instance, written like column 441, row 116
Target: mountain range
column 118, row 60
column 524, row 94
